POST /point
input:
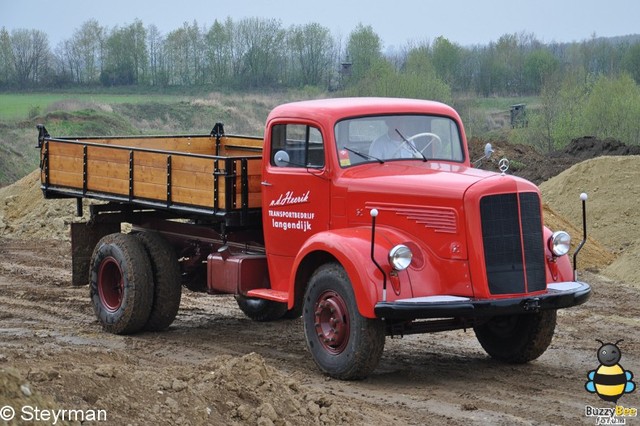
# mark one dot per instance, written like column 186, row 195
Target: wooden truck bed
column 214, row 174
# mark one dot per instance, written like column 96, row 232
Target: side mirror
column 281, row 158
column 488, row 150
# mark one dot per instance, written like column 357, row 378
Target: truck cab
column 384, row 192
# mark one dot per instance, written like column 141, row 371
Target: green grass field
column 18, row 106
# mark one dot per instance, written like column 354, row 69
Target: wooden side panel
column 108, row 170
column 232, row 146
column 186, row 144
column 150, row 175
column 192, row 181
column 65, row 165
column 129, row 171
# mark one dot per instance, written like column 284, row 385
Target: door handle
column 265, row 183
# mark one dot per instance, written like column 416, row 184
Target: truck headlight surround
column 400, row 257
column 560, row 243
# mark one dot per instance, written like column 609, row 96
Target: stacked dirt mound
column 592, row 147
column 256, row 393
column 525, row 161
column 16, row 393
column 24, row 213
column 530, row 164
column 613, row 186
column 226, row 390
column 593, row 256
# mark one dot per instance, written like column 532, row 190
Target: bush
column 34, row 111
column 606, row 107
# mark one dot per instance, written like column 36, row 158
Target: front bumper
column 558, row 296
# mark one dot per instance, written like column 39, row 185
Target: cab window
column 397, row 137
column 296, row 145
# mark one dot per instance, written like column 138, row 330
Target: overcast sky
column 466, row 22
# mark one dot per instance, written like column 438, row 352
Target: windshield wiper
column 412, row 146
column 365, row 156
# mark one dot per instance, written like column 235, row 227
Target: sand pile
column 256, row 393
column 24, row 213
column 593, row 256
column 613, row 186
column 16, row 392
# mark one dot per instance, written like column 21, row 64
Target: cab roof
column 335, row 109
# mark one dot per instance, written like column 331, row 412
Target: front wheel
column 517, row 339
column 343, row 343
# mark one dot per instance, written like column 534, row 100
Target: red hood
column 411, row 181
column 430, row 201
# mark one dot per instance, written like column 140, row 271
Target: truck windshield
column 397, row 137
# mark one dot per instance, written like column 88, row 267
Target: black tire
column 121, row 285
column 344, row 344
column 517, row 339
column 166, row 280
column 294, row 313
column 260, row 309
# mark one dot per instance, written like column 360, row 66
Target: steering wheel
column 433, row 137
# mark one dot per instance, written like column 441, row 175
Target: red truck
column 365, row 216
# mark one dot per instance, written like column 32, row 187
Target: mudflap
column 84, row 238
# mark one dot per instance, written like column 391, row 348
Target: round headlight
column 560, row 243
column 400, row 257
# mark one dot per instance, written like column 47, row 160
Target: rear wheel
column 343, row 343
column 517, row 339
column 166, row 280
column 121, row 285
column 260, row 309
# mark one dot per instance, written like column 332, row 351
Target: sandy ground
column 215, row 366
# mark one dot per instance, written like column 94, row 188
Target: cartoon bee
column 610, row 381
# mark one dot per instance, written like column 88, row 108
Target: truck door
column 295, row 193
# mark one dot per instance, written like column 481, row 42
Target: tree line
column 589, row 87
column 260, row 53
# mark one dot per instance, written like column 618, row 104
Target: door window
column 296, row 145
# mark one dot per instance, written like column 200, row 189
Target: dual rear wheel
column 135, row 283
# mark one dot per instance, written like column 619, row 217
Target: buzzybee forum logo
column 610, row 381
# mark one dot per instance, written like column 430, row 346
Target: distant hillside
column 243, row 114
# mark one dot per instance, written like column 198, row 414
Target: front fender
column 351, row 247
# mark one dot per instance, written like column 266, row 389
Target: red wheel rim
column 331, row 319
column 110, row 284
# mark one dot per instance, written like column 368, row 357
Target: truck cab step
column 269, row 294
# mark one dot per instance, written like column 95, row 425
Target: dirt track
column 215, row 366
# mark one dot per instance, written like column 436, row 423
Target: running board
column 269, row 294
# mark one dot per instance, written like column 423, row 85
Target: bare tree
column 30, row 52
column 155, row 43
column 363, row 50
column 261, row 42
column 86, row 50
column 126, row 58
column 6, row 58
column 312, row 47
column 219, row 51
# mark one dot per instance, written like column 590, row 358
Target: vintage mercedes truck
column 365, row 216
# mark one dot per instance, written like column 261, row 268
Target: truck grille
column 513, row 243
